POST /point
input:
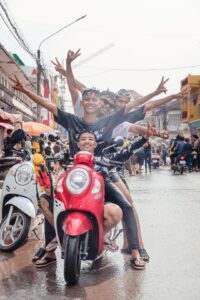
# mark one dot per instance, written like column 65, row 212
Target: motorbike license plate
column 182, row 162
column 154, row 160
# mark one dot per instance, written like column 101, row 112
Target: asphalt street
column 169, row 210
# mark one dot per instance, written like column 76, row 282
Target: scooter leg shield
column 76, row 223
column 24, row 204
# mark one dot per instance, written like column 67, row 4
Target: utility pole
column 39, row 65
column 39, row 70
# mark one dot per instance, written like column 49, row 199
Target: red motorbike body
column 82, row 212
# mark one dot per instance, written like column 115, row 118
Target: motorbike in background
column 155, row 160
column 180, row 165
column 18, row 204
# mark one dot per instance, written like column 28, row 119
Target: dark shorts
column 114, row 176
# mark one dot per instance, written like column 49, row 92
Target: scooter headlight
column 24, row 174
column 77, row 181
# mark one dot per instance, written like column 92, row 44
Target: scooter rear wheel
column 17, row 233
column 72, row 259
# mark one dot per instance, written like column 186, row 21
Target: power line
column 143, row 70
column 12, row 32
column 17, row 32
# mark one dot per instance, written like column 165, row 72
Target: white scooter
column 18, row 206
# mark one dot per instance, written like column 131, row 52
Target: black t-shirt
column 102, row 128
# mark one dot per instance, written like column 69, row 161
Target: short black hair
column 86, row 131
column 9, row 131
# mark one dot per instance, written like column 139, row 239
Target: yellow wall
column 191, row 87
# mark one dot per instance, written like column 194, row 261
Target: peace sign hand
column 72, row 56
column 161, row 87
column 59, row 68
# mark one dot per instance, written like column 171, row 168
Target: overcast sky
column 147, row 34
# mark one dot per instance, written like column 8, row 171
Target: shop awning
column 9, row 118
column 6, row 125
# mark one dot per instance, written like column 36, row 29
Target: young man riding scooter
column 103, row 128
column 112, row 212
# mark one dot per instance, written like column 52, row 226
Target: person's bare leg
column 112, row 216
column 46, row 211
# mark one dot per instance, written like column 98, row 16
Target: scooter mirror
column 118, row 141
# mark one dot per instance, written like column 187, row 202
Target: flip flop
column 144, row 255
column 39, row 254
column 52, row 245
column 137, row 264
column 45, row 261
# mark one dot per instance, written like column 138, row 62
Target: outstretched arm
column 157, row 103
column 137, row 129
column 126, row 154
column 160, row 89
column 37, row 99
column 80, row 86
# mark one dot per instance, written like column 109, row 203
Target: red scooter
column 78, row 213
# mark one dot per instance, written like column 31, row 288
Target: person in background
column 7, row 143
column 164, row 154
column 48, row 150
column 188, row 154
column 139, row 160
column 35, row 145
column 18, row 136
column 147, row 156
column 196, row 152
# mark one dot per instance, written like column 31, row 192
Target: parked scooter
column 155, row 160
column 18, row 204
column 180, row 165
column 78, row 213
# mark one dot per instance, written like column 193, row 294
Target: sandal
column 45, row 261
column 52, row 245
column 39, row 254
column 110, row 245
column 144, row 255
column 137, row 264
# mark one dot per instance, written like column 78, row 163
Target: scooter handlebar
column 109, row 163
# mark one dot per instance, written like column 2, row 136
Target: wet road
column 169, row 210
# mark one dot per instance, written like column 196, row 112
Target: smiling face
column 91, row 103
column 87, row 142
column 122, row 101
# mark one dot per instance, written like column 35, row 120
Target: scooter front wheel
column 72, row 259
column 14, row 233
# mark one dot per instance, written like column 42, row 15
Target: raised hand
column 17, row 84
column 161, row 87
column 59, row 68
column 72, row 56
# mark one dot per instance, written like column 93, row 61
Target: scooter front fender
column 24, row 204
column 76, row 223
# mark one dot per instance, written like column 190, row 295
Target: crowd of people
column 98, row 119
column 190, row 149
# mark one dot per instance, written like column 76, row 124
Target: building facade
column 190, row 104
column 168, row 118
column 14, row 101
